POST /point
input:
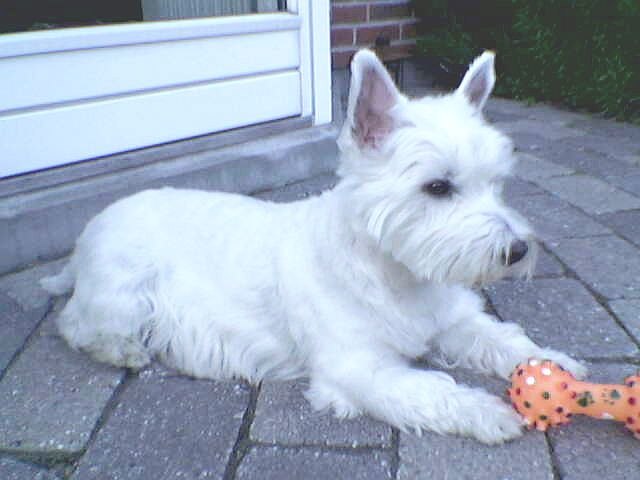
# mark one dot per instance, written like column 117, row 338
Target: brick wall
column 356, row 24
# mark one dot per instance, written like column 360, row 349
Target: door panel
column 88, row 73
column 76, row 132
column 74, row 94
column 33, row 15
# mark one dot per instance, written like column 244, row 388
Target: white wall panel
column 57, row 40
column 34, row 140
column 33, row 80
column 73, row 94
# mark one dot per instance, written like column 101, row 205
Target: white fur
column 344, row 288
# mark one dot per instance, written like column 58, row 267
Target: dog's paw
column 490, row 420
column 323, row 397
column 565, row 361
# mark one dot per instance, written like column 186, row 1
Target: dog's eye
column 438, row 188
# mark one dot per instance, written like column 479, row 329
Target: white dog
column 344, row 288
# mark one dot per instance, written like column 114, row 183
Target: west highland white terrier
column 345, row 288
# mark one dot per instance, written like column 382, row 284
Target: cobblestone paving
column 64, row 416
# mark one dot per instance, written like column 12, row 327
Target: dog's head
column 425, row 176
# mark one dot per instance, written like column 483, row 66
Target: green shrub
column 582, row 53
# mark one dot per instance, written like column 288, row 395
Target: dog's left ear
column 478, row 82
column 372, row 95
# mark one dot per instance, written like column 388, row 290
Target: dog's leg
column 108, row 328
column 408, row 398
column 478, row 340
column 110, row 314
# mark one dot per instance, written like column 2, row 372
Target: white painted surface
column 321, row 60
column 315, row 57
column 303, row 10
column 33, row 80
column 72, row 94
column 45, row 41
column 89, row 130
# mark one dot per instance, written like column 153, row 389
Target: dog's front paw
column 491, row 420
column 565, row 361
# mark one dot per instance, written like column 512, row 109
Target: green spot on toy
column 585, row 399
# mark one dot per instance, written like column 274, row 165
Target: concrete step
column 41, row 224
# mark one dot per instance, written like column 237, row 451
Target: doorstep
column 42, row 223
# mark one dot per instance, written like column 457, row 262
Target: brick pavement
column 578, row 181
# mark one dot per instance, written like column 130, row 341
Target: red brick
column 395, row 52
column 341, row 59
column 408, row 31
column 341, row 36
column 385, row 11
column 366, row 35
column 348, row 14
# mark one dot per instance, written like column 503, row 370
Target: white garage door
column 71, row 94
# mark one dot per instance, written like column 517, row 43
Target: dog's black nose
column 516, row 253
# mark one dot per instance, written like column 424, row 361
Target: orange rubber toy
column 547, row 395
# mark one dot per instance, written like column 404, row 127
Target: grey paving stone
column 52, row 397
column 628, row 183
column 535, row 169
column 58, row 228
column 554, row 115
column 278, row 463
column 547, row 265
column 11, row 469
column 628, row 312
column 625, row 224
column 493, row 115
column 560, row 313
column 440, row 457
column 24, row 288
column 573, row 156
column 633, row 158
column 586, row 161
column 16, row 325
column 549, row 130
column 608, row 264
column 589, row 448
column 553, row 218
column 609, row 372
column 507, row 105
column 610, row 154
column 591, row 194
column 284, row 416
column 608, row 128
column 528, row 142
column 300, row 190
column 515, row 187
column 620, row 147
column 167, row 426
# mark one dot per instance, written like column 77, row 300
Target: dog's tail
column 61, row 283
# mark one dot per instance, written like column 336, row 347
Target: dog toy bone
column 547, row 395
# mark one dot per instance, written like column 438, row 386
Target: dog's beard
column 472, row 260
column 464, row 249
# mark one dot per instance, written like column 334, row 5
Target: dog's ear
column 479, row 80
column 372, row 95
